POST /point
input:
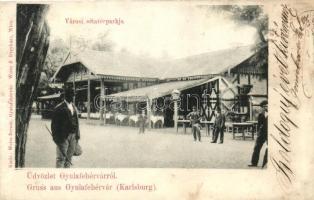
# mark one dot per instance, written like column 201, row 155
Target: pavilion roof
column 124, row 64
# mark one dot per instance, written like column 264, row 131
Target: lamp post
column 175, row 95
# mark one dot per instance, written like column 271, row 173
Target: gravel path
column 111, row 146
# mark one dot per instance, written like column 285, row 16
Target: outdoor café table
column 207, row 126
column 242, row 127
column 184, row 122
column 254, row 125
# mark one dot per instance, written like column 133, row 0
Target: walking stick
column 67, row 159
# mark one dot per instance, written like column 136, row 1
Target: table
column 207, row 124
column 228, row 126
column 243, row 128
column 186, row 122
column 254, row 126
column 155, row 118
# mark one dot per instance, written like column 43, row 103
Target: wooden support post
column 105, row 108
column 251, row 108
column 148, row 108
column 74, row 89
column 88, row 98
column 102, row 100
column 267, row 85
column 105, row 105
column 175, row 115
column 218, row 93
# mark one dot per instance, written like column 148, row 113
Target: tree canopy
column 60, row 48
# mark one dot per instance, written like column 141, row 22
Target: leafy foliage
column 59, row 50
column 254, row 16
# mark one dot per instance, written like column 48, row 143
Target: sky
column 159, row 30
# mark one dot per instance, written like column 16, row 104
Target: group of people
column 66, row 133
column 219, row 126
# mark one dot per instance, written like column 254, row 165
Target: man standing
column 219, row 126
column 142, row 119
column 194, row 118
column 261, row 135
column 65, row 129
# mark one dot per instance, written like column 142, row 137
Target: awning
column 159, row 90
column 48, row 97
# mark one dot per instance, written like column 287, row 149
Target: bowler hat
column 264, row 103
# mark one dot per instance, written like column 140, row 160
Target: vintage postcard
column 157, row 100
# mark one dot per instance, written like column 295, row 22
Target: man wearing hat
column 219, row 126
column 65, row 129
column 261, row 134
column 195, row 118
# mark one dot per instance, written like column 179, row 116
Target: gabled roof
column 126, row 64
column 116, row 63
column 207, row 63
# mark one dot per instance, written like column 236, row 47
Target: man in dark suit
column 65, row 129
column 219, row 126
column 261, row 135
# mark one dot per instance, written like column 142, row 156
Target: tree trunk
column 32, row 41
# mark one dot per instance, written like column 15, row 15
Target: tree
column 32, row 42
column 252, row 15
column 102, row 43
column 57, row 52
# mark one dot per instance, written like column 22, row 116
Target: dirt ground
column 111, row 146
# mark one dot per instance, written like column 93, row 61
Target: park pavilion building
column 116, row 87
